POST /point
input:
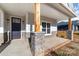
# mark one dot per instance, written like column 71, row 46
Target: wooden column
column 37, row 17
column 70, row 24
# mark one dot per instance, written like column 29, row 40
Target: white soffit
column 52, row 13
column 20, row 9
column 64, row 9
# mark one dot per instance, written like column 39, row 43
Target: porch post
column 37, row 17
column 70, row 25
column 76, row 28
column 70, row 31
column 37, row 36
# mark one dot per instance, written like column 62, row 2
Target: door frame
column 11, row 24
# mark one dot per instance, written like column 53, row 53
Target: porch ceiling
column 21, row 9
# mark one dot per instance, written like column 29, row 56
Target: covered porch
column 38, row 24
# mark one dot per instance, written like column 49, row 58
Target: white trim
column 69, row 9
column 72, row 35
column 27, row 26
column 1, row 30
column 2, row 21
column 48, row 34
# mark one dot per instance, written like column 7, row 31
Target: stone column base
column 37, row 43
column 70, row 35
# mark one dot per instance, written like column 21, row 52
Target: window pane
column 43, row 25
column 16, row 20
column 44, row 30
column 48, row 30
column 48, row 25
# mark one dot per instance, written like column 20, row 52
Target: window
column 16, row 20
column 46, row 27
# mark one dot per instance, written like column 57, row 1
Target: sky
column 75, row 7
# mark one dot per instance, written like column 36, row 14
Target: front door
column 16, row 28
column 78, row 27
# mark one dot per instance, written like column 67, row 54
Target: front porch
column 21, row 47
column 37, row 27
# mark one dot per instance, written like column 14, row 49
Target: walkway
column 17, row 47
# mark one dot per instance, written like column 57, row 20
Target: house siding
column 45, row 19
column 1, row 26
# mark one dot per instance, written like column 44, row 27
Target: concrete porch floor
column 20, row 47
column 17, row 47
column 54, row 43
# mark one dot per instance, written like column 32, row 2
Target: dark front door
column 78, row 27
column 16, row 28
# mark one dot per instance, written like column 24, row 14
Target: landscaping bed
column 71, row 49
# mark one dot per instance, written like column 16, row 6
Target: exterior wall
column 43, row 19
column 53, row 23
column 1, row 26
column 7, row 23
column 31, row 22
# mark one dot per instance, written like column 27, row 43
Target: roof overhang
column 61, row 7
column 52, row 10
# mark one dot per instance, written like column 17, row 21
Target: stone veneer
column 37, row 43
column 70, row 35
